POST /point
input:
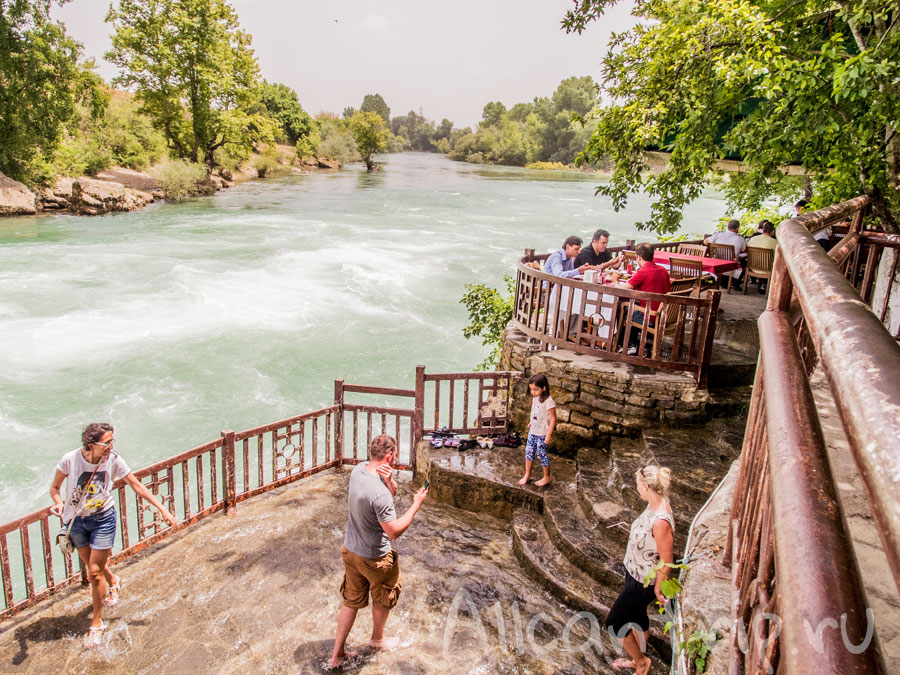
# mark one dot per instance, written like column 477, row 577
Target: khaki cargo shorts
column 380, row 576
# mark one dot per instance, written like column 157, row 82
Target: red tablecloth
column 712, row 265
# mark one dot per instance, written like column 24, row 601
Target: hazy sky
column 447, row 58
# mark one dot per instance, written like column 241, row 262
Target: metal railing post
column 339, row 422
column 229, row 476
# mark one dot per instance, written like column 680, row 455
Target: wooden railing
column 598, row 320
column 219, row 474
column 795, row 576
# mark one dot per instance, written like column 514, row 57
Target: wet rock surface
column 15, row 198
column 570, row 537
column 258, row 591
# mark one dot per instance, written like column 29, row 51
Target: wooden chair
column 691, row 249
column 722, row 252
column 759, row 264
column 686, row 269
column 630, row 256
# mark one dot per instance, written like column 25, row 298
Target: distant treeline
column 191, row 91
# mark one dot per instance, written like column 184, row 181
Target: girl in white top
column 89, row 473
column 651, row 540
column 540, row 428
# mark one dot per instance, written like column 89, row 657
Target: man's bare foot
column 524, row 480
column 544, row 481
column 623, row 663
column 336, row 661
column 643, row 668
column 387, row 644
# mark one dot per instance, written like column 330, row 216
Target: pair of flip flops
column 508, row 440
column 442, row 442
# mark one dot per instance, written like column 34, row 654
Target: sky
column 443, row 59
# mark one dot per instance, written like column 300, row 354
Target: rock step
column 552, row 570
column 547, row 565
column 594, row 551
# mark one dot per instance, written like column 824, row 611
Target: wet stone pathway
column 257, row 591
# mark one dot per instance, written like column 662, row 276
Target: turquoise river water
column 181, row 320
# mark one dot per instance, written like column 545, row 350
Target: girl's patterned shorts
column 536, row 445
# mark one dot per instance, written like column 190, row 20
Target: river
column 180, row 320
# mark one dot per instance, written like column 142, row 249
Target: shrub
column 547, row 166
column 179, row 177
column 337, row 143
column 489, row 312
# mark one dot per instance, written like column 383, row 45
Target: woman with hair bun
column 651, row 540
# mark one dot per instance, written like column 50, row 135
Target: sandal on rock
column 467, row 444
column 94, row 637
column 437, row 442
column 482, row 443
column 112, row 596
column 451, row 442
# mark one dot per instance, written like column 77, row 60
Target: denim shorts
column 97, row 531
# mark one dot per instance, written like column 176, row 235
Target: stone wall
column 596, row 398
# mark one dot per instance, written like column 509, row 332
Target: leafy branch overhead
column 811, row 83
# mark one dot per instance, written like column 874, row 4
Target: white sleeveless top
column 641, row 553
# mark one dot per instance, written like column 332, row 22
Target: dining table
column 713, row 266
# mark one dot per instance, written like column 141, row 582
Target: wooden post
column 339, row 422
column 230, row 474
column 419, row 413
column 709, row 331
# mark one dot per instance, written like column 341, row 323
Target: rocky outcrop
column 15, row 198
column 328, row 163
column 95, row 197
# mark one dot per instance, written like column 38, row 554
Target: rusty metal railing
column 597, row 320
column 217, row 475
column 792, row 560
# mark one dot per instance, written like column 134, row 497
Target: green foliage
column 282, row 105
column 179, row 178
column 41, row 81
column 545, row 130
column 194, row 73
column 349, row 112
column 375, row 103
column 547, row 166
column 698, row 646
column 266, row 163
column 419, row 133
column 489, row 312
column 336, row 141
column 750, row 219
column 371, row 135
column 775, row 83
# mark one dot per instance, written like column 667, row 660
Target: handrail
column 609, row 313
column 787, row 526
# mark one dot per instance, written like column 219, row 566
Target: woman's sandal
column 94, row 637
column 112, row 595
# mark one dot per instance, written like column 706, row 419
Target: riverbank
column 122, row 189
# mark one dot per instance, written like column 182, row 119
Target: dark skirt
column 631, row 607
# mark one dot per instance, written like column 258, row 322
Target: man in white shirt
column 731, row 235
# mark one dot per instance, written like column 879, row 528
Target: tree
column 371, row 135
column 489, row 313
column 193, row 71
column 281, row 104
column 41, row 82
column 774, row 83
column 492, row 114
column 375, row 103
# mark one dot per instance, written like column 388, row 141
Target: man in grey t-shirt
column 370, row 565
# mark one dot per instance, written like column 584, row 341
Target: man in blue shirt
column 561, row 263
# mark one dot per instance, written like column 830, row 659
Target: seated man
column 731, row 235
column 561, row 262
column 764, row 240
column 650, row 278
column 596, row 254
